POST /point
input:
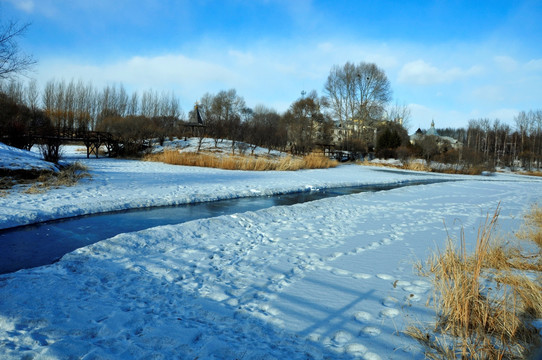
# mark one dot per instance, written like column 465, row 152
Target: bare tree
column 356, row 96
column 12, row 60
column 305, row 123
column 32, row 95
column 133, row 104
column 223, row 115
column 400, row 114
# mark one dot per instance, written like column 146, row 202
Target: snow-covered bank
column 327, row 279
column 16, row 159
column 124, row 184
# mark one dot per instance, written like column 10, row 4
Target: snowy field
column 329, row 279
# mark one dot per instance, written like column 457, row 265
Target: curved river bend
column 44, row 243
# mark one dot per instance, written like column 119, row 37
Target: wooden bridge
column 93, row 140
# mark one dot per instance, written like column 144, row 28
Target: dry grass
column 416, row 166
column 422, row 166
column 477, row 321
column 531, row 173
column 407, row 165
column 241, row 162
column 68, row 176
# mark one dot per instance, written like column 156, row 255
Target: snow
column 15, row 159
column 328, row 279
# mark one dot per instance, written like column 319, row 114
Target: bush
column 389, row 139
column 386, row 154
column 232, row 162
column 50, row 150
column 479, row 321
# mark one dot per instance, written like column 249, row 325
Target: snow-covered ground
column 15, row 159
column 327, row 279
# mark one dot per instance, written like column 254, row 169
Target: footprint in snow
column 389, row 301
column 371, row 356
column 361, row 276
column 370, row 331
column 415, row 289
column 356, row 349
column 389, row 313
column 362, row 316
column 341, row 337
column 340, row 272
column 412, row 297
column 384, row 276
column 401, row 283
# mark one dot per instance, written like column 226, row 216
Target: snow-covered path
column 331, row 278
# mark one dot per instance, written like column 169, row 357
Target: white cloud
column 326, row 47
column 187, row 77
column 534, row 65
column 24, row 5
column 274, row 74
column 420, row 72
column 489, row 93
column 506, row 63
column 505, row 114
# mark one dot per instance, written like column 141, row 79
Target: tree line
column 346, row 117
column 494, row 143
column 73, row 107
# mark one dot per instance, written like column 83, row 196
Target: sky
column 448, row 61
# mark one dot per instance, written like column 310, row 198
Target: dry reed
column 531, row 173
column 67, row 176
column 483, row 322
column 241, row 162
column 416, row 166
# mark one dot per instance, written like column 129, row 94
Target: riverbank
column 117, row 184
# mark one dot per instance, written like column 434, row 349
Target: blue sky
column 450, row 61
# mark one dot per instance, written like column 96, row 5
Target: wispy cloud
column 534, row 65
column 420, row 72
column 505, row 63
column 24, row 5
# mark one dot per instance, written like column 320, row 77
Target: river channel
column 44, row 243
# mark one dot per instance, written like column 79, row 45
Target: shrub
column 239, row 162
column 50, row 150
column 484, row 322
column 386, row 153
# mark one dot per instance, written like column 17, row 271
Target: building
column 444, row 142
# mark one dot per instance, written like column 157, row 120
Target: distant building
column 432, row 131
column 444, row 142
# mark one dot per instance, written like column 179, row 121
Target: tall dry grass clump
column 67, row 176
column 242, row 162
column 416, row 166
column 485, row 301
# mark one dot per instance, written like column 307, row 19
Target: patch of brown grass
column 532, row 228
column 68, row 176
column 241, row 162
column 416, row 166
column 475, row 321
column 407, row 165
column 420, row 166
column 531, row 173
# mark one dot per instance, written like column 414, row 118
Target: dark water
column 44, row 243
